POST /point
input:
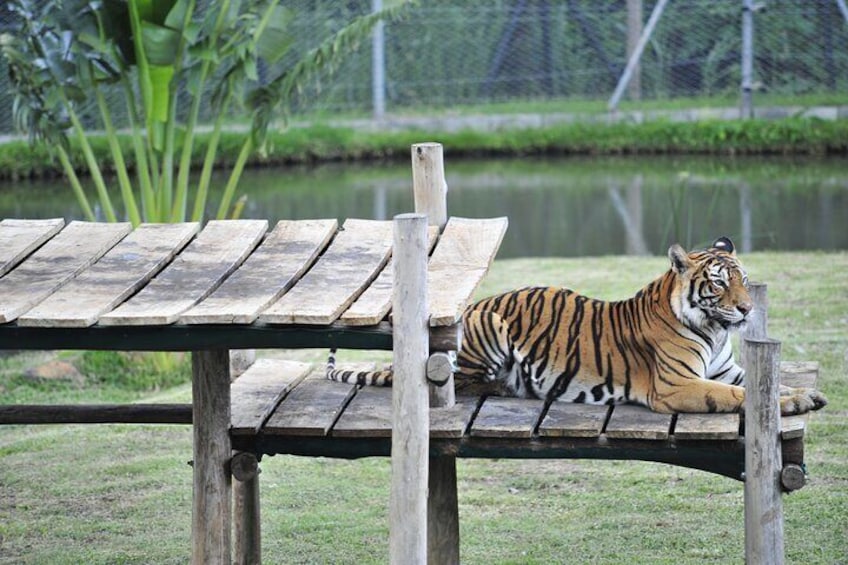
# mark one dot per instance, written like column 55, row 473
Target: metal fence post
column 378, row 65
column 747, row 110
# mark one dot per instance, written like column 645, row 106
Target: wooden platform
column 304, row 283
column 283, row 407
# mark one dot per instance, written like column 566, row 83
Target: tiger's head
column 711, row 286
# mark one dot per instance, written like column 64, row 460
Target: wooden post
column 442, row 501
column 212, row 497
column 410, row 410
column 757, row 325
column 430, row 191
column 428, row 182
column 247, row 544
column 763, row 460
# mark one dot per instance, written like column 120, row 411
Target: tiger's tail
column 362, row 378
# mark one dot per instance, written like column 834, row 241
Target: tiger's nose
column 745, row 308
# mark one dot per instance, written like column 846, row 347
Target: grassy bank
column 319, row 143
column 121, row 494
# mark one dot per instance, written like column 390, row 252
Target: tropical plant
column 162, row 55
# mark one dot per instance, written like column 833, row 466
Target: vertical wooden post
column 247, row 545
column 212, row 496
column 410, row 409
column 757, row 325
column 763, row 459
column 428, row 182
column 430, row 191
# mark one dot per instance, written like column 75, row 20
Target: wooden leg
column 763, row 503
column 212, row 497
column 442, row 513
column 247, row 545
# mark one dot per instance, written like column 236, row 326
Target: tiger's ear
column 724, row 244
column 679, row 259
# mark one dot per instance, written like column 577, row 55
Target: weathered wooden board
column 451, row 422
column 287, row 252
column 462, row 257
column 212, row 256
column 565, row 419
column 351, row 262
column 707, row 427
column 637, row 422
column 797, row 374
column 256, row 393
column 507, row 417
column 311, row 408
column 374, row 304
column 18, row 238
column 59, row 260
column 369, row 414
column 107, row 283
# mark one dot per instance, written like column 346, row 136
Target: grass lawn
column 122, row 494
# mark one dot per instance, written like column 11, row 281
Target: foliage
column 136, row 372
column 321, row 143
column 164, row 56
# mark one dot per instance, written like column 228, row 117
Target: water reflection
column 562, row 207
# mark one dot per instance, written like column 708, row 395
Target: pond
column 558, row 207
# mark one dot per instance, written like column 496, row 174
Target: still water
column 558, row 207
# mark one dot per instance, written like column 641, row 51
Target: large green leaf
column 274, row 39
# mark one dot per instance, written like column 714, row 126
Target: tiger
column 666, row 348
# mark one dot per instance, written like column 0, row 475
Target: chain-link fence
column 569, row 55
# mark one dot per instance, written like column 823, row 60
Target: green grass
column 121, row 494
column 321, row 142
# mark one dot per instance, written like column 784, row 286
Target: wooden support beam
column 430, row 194
column 410, row 410
column 428, row 182
column 763, row 461
column 756, row 327
column 212, row 500
column 247, row 545
column 95, row 414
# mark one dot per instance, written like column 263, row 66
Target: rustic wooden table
column 226, row 285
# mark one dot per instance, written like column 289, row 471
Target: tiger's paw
column 800, row 401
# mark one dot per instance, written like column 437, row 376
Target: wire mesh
column 565, row 54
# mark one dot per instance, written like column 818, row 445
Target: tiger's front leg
column 671, row 394
column 723, row 368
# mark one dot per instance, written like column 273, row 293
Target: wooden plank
column 59, row 260
column 797, row 374
column 452, row 421
column 287, row 252
column 352, row 261
column 258, row 390
column 461, row 259
column 198, row 270
column 369, row 414
column 565, row 419
column 311, row 408
column 707, row 427
column 374, row 304
column 118, row 274
column 19, row 238
column 507, row 417
column 637, row 422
